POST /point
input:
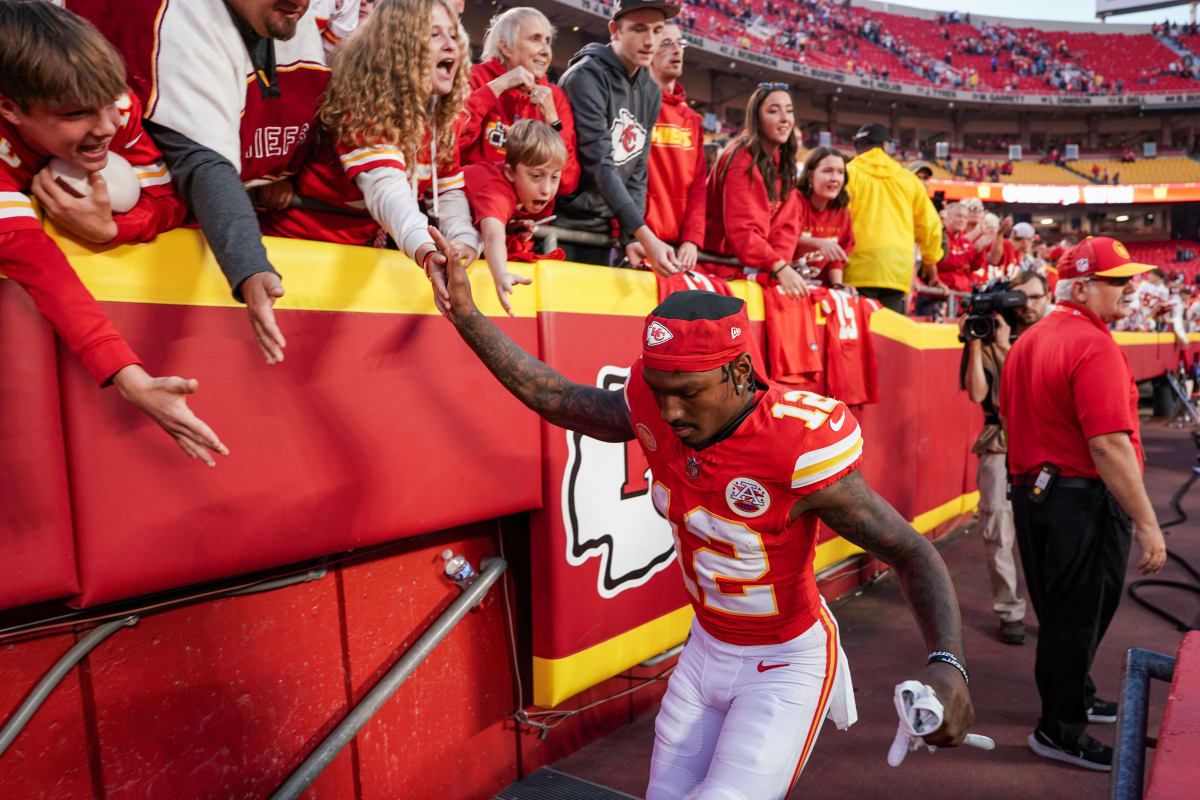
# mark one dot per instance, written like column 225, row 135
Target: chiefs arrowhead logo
column 628, row 137
column 657, row 333
column 1119, row 249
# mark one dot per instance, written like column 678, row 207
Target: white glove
column 921, row 713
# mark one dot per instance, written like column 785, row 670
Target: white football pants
column 735, row 725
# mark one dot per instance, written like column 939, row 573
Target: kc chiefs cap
column 695, row 331
column 623, row 7
column 1099, row 255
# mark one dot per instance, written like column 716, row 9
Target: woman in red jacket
column 510, row 85
column 826, row 236
column 753, row 205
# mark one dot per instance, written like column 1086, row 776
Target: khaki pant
column 998, row 534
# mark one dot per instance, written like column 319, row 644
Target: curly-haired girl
column 395, row 95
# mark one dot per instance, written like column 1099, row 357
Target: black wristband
column 781, row 269
column 949, row 658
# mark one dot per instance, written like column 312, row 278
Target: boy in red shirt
column 521, row 191
column 42, row 50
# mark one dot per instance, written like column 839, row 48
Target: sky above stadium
column 1068, row 10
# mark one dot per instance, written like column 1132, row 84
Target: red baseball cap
column 1099, row 255
column 695, row 331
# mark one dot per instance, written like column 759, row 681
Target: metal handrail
column 1129, row 755
column 54, row 677
column 362, row 713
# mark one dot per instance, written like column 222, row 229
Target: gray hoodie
column 614, row 116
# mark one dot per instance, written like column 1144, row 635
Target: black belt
column 1062, row 481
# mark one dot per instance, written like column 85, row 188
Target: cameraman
column 981, row 378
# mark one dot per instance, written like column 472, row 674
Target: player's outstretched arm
column 596, row 412
column 858, row 514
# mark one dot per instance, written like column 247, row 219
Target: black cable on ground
column 1194, row 588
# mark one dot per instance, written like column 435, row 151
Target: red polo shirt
column 1065, row 381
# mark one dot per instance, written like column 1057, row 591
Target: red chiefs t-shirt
column 491, row 195
column 1065, row 381
column 746, row 568
column 795, row 343
column 832, row 224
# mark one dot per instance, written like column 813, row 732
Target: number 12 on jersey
column 812, row 408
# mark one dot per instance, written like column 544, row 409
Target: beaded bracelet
column 949, row 658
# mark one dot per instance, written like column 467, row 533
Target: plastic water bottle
column 458, row 569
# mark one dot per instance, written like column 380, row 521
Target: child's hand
column 504, row 287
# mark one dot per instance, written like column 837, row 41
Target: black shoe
column 1102, row 711
column 1012, row 632
column 1084, row 752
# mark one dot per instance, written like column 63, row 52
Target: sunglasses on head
column 773, row 85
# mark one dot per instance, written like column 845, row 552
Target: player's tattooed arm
column 595, row 412
column 858, row 514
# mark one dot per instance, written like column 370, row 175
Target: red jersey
column 190, row 66
column 748, row 571
column 491, row 195
column 1065, row 381
column 32, row 259
column 832, row 224
column 960, row 261
column 329, row 177
column 690, row 280
column 742, row 219
column 795, row 343
column 850, row 366
column 159, row 206
column 488, row 118
column 675, row 187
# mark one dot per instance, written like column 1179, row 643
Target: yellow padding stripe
column 178, row 268
column 556, row 679
column 917, row 335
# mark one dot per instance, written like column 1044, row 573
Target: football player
column 743, row 470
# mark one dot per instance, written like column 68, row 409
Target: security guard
column 1069, row 400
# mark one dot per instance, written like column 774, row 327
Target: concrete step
column 549, row 784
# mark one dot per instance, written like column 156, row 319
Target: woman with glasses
column 509, row 85
column 753, row 205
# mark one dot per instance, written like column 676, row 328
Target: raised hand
column 164, row 401
column 449, row 277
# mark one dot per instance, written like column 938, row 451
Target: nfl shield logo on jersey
column 747, row 497
column 657, row 333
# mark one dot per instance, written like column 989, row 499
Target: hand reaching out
column 260, row 291
column 164, row 401
column 504, row 287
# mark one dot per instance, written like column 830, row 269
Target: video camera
column 980, row 306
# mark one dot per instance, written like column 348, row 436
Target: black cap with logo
column 872, row 133
column 623, row 7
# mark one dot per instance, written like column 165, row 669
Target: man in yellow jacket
column 889, row 211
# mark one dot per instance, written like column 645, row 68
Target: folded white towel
column 921, row 713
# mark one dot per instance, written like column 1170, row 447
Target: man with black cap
column 889, row 210
column 616, row 104
column 743, row 471
column 1069, row 401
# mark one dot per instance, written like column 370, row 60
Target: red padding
column 1175, row 773
column 37, row 551
column 375, row 427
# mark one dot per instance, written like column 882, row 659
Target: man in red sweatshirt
column 677, row 166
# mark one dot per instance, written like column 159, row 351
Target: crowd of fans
column 364, row 123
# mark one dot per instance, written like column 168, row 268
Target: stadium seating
column 1145, row 170
column 1162, row 254
column 1033, row 172
column 1141, row 62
